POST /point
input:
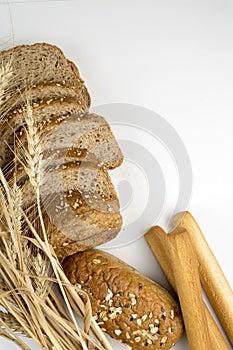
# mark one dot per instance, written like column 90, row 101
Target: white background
column 173, row 57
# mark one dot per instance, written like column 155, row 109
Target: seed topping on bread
column 125, row 304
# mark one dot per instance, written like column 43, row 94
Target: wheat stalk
column 28, row 266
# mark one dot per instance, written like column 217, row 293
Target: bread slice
column 16, row 118
column 39, row 94
column 83, row 197
column 41, row 63
column 86, row 177
column 58, row 109
column 86, row 131
column 81, row 131
column 67, row 239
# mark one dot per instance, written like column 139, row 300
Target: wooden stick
column 213, row 279
column 156, row 238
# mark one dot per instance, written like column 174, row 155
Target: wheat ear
column 6, row 73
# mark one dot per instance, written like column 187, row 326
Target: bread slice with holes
column 41, row 63
column 126, row 304
column 83, row 197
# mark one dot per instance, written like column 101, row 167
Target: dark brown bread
column 67, row 237
column 127, row 305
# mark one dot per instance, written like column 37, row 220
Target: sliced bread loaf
column 41, row 63
column 78, row 200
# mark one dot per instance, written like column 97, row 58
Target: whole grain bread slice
column 41, row 63
column 65, row 231
column 39, row 94
column 92, row 181
column 85, row 131
column 58, row 109
column 84, row 199
column 81, row 131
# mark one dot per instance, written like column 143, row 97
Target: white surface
column 172, row 57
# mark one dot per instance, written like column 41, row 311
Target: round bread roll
column 127, row 305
